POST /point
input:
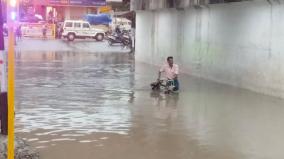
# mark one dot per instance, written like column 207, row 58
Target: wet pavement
column 78, row 45
column 72, row 105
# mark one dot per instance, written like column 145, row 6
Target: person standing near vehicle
column 44, row 30
column 171, row 71
column 19, row 32
column 58, row 31
column 117, row 30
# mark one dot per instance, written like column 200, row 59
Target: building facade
column 59, row 10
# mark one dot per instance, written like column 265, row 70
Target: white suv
column 73, row 29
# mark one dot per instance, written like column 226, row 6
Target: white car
column 76, row 29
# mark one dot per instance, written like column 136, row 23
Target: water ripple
column 70, row 95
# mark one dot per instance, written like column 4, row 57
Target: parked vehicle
column 123, row 39
column 77, row 29
column 32, row 19
column 98, row 19
column 123, row 23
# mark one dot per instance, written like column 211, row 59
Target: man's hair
column 170, row 57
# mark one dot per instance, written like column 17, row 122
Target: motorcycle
column 123, row 39
column 167, row 85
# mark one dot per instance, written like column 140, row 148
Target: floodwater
column 99, row 106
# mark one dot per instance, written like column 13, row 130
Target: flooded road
column 85, row 105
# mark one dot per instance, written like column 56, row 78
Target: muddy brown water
column 99, row 106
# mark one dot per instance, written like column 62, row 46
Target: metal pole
column 11, row 94
column 11, row 77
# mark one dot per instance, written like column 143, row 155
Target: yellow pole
column 11, row 89
column 11, row 94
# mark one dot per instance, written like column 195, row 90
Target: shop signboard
column 40, row 2
column 88, row 2
column 78, row 2
column 58, row 2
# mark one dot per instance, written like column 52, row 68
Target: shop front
column 74, row 9
column 36, row 14
column 59, row 10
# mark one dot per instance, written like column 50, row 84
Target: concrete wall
column 159, row 4
column 75, row 12
column 240, row 44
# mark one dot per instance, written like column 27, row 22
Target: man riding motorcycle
column 171, row 71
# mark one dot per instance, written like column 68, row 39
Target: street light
column 11, row 18
column 13, row 9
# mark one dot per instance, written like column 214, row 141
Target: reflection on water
column 165, row 105
column 79, row 92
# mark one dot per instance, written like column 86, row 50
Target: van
column 77, row 29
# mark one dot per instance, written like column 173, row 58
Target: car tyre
column 71, row 37
column 100, row 37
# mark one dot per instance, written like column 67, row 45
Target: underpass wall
column 239, row 44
